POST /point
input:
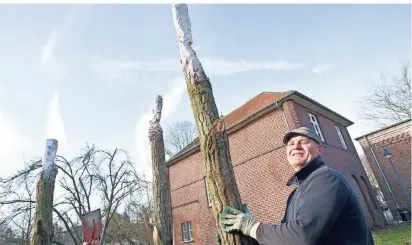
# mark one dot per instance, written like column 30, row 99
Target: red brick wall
column 398, row 141
column 261, row 170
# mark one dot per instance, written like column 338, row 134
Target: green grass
column 393, row 235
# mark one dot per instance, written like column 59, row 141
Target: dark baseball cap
column 304, row 131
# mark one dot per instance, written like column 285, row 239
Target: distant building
column 397, row 140
column 255, row 132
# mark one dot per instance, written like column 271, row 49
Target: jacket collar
column 304, row 172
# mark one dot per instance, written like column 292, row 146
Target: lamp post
column 388, row 155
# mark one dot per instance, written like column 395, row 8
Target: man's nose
column 296, row 146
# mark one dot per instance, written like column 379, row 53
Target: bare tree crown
column 178, row 136
column 389, row 101
column 96, row 177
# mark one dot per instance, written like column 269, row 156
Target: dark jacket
column 322, row 210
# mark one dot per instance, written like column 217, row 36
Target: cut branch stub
column 214, row 143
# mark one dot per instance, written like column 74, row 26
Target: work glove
column 218, row 239
column 232, row 220
column 246, row 210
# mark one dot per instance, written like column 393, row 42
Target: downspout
column 383, row 175
column 283, row 113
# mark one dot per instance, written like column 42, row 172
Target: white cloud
column 171, row 103
column 54, row 124
column 47, row 52
column 224, row 67
column 322, row 68
column 113, row 69
column 11, row 146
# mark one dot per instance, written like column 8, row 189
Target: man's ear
column 320, row 148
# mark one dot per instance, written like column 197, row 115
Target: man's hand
column 232, row 219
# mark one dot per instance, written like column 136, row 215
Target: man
column 322, row 210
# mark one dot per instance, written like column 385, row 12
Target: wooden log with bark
column 162, row 211
column 43, row 219
column 214, row 143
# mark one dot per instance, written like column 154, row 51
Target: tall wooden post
column 43, row 218
column 162, row 211
column 214, row 143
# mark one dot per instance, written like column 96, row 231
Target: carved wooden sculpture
column 214, row 144
column 43, row 218
column 162, row 211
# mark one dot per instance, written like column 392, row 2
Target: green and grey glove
column 232, row 219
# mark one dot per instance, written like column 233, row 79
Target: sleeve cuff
column 253, row 230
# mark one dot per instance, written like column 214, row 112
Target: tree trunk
column 214, row 143
column 162, row 211
column 43, row 219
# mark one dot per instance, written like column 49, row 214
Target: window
column 208, row 197
column 342, row 140
column 189, row 231
column 187, row 234
column 316, row 126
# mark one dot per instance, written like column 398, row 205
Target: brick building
column 255, row 132
column 397, row 139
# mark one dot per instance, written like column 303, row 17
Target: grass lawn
column 393, row 235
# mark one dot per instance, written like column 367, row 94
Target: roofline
column 322, row 106
column 235, row 126
column 382, row 129
column 266, row 109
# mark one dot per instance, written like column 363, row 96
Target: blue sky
column 89, row 73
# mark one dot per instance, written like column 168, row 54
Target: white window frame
column 187, row 234
column 184, row 233
column 342, row 140
column 189, row 231
column 316, row 126
column 208, row 197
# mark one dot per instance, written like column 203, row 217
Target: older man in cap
column 323, row 209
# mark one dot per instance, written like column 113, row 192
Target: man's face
column 301, row 150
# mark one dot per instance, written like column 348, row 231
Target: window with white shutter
column 342, row 140
column 187, row 234
column 316, row 126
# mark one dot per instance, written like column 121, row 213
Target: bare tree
column 79, row 180
column 178, row 136
column 389, row 101
column 122, row 229
column 95, row 179
column 142, row 209
column 17, row 205
column 119, row 181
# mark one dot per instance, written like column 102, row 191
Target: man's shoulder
column 327, row 181
column 329, row 174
